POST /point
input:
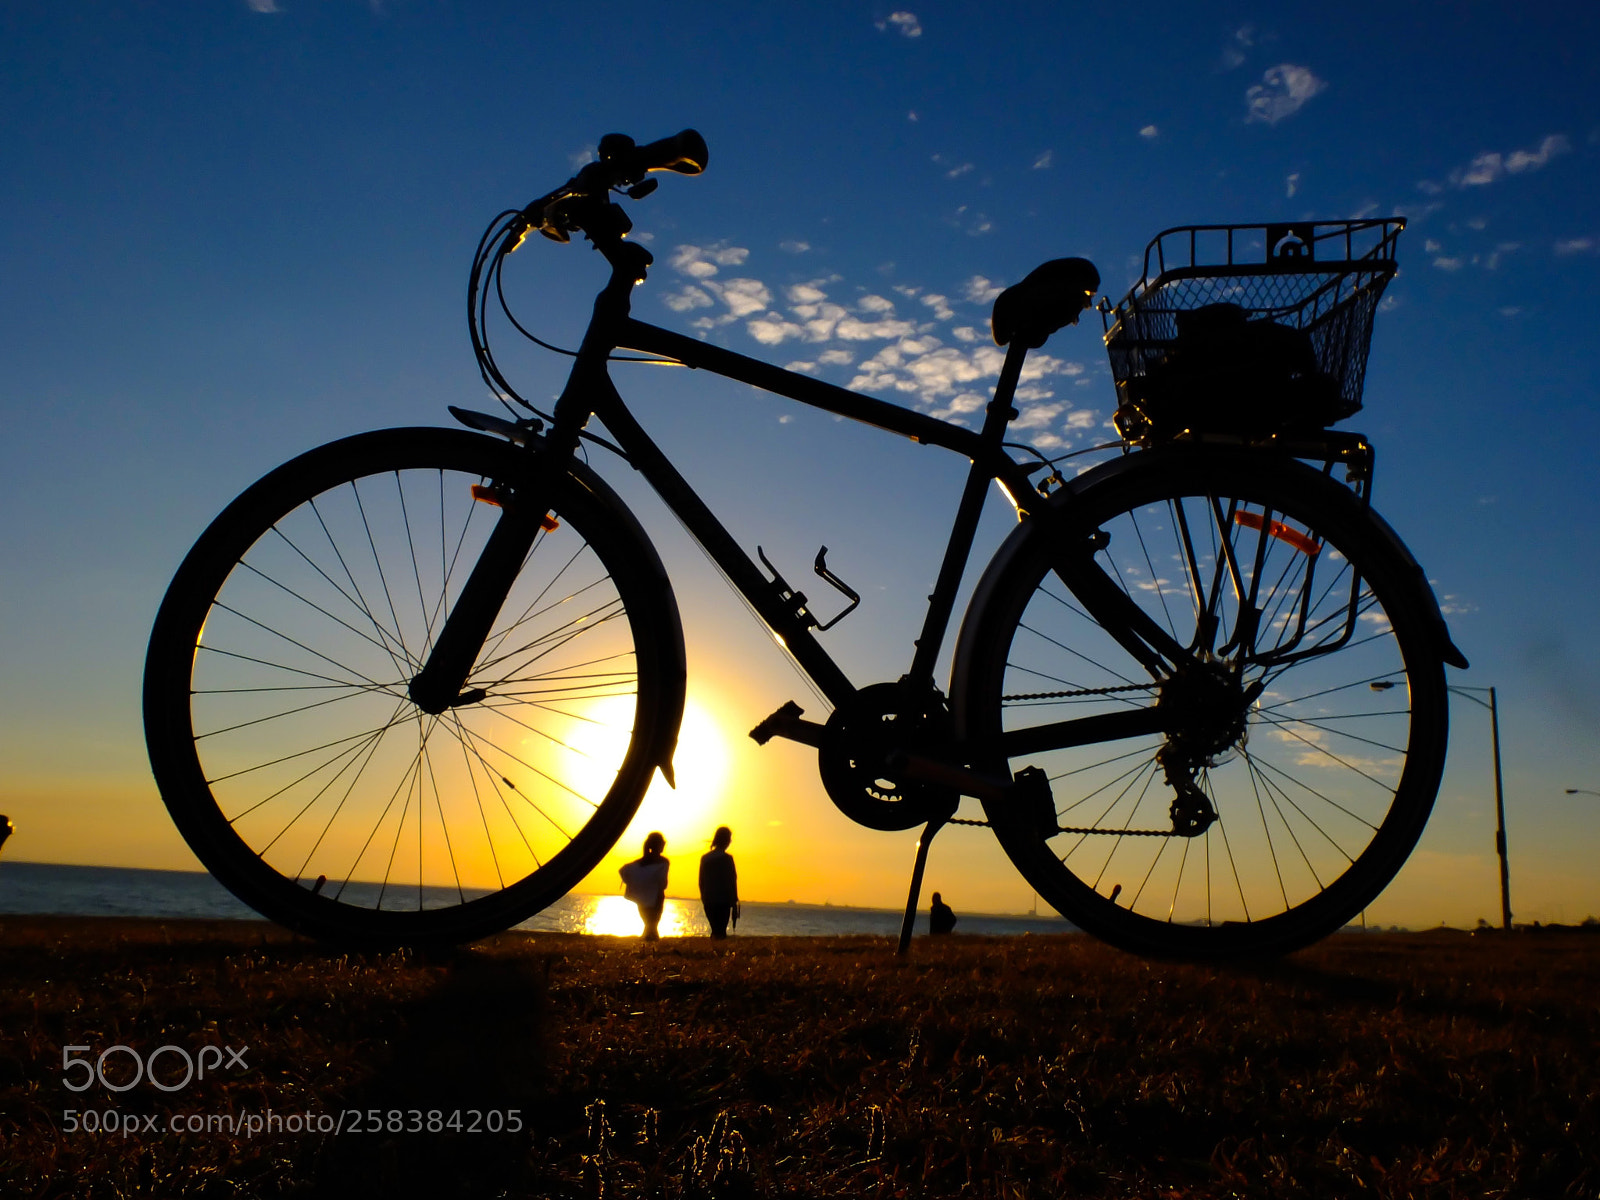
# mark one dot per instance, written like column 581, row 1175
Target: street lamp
column 1499, row 794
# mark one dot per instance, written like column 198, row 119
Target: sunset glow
column 299, row 189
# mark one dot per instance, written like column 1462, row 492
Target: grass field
column 1401, row 1065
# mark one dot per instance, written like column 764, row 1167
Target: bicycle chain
column 1105, row 691
column 1081, row 829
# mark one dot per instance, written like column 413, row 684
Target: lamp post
column 1499, row 793
column 1499, row 796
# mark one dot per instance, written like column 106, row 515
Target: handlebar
column 622, row 166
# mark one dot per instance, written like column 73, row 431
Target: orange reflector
column 489, row 496
column 1279, row 530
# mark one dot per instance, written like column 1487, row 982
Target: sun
column 701, row 765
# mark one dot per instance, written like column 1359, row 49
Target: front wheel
column 277, row 713
column 1261, row 790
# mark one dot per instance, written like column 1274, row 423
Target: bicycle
column 411, row 686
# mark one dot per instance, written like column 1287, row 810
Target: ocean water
column 125, row 892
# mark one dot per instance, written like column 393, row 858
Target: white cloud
column 1491, row 261
column 805, row 368
column 820, row 319
column 806, row 293
column 958, row 172
column 744, row 296
column 980, row 290
column 1431, row 247
column 263, row 6
column 836, row 358
column 1149, row 133
column 1491, row 166
column 794, row 247
column 941, row 307
column 1282, row 92
column 702, row 262
column 1582, row 245
column 853, row 329
column 1447, row 264
column 1233, row 54
column 1291, row 185
column 872, row 303
column 772, row 330
column 687, row 300
column 1531, row 160
column 904, row 23
column 966, row 333
column 1044, row 160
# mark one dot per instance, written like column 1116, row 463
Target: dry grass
column 1383, row 1064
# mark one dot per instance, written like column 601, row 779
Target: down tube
column 762, row 593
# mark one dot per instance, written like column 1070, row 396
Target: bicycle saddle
column 1051, row 296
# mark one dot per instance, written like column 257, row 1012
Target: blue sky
column 235, row 229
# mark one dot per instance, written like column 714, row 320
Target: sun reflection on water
column 615, row 916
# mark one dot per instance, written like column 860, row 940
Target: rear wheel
column 1281, row 776
column 286, row 746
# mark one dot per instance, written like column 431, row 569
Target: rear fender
column 1053, row 513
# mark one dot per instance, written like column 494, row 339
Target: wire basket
column 1318, row 283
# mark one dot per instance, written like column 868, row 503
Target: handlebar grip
column 683, row 153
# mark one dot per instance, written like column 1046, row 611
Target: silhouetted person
column 719, row 883
column 6, row 829
column 644, row 881
column 941, row 917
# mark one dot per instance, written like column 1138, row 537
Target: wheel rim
column 332, row 782
column 1315, row 804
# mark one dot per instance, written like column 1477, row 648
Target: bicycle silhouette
column 411, row 686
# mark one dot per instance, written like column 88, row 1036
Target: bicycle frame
column 590, row 392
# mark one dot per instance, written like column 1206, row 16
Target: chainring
column 867, row 733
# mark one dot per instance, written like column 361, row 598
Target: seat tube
column 942, row 602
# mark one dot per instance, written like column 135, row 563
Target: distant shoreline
column 195, row 876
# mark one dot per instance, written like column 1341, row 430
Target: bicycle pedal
column 786, row 723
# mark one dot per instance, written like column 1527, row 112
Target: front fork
column 442, row 682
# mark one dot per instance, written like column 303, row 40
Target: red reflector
column 1277, row 529
column 489, row 496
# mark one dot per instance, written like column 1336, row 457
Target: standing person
column 644, row 881
column 719, row 883
column 941, row 917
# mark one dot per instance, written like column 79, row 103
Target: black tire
column 279, row 726
column 1320, row 785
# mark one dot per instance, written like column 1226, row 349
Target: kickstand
column 934, row 826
